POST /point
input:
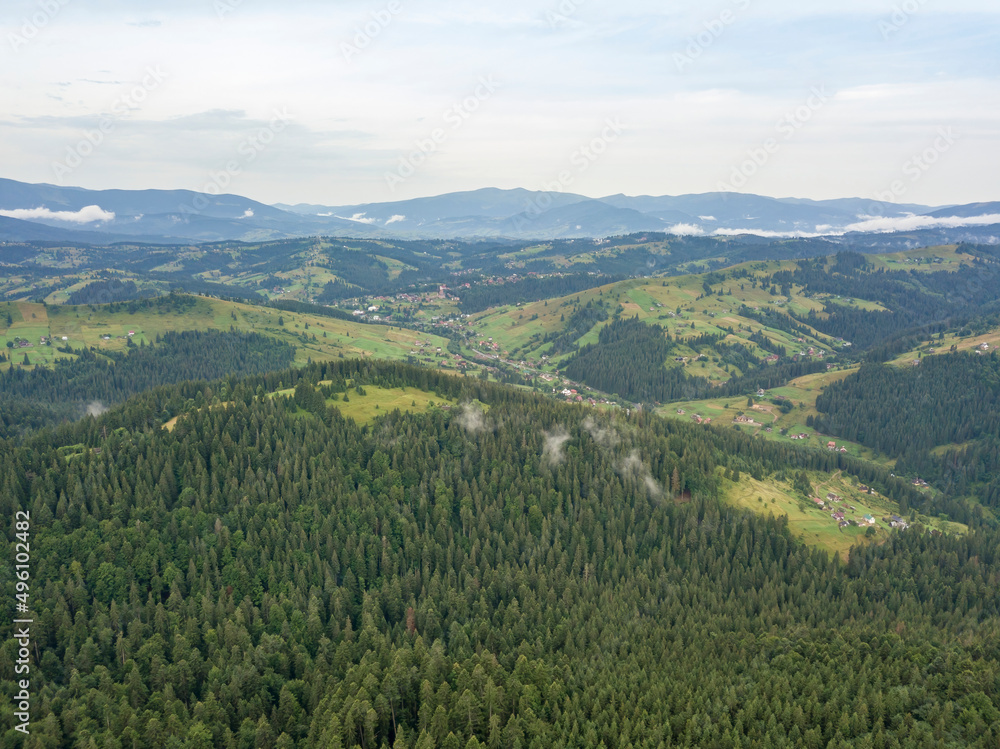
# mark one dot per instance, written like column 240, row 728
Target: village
column 846, row 515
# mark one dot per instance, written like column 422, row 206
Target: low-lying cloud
column 88, row 215
column 686, row 230
column 913, row 223
column 471, row 418
column 606, row 437
column 871, row 225
column 96, row 408
column 776, row 234
column 359, row 218
column 552, row 452
column 633, row 467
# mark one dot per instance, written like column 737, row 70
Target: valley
column 396, row 463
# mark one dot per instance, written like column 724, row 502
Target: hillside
column 112, row 328
column 268, row 570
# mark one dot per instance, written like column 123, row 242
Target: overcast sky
column 348, row 102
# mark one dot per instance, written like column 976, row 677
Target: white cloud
column 552, row 452
column 96, row 408
column 913, row 223
column 873, row 225
column 395, row 219
column 707, row 218
column 248, row 213
column 605, row 437
column 471, row 418
column 358, row 217
column 773, row 234
column 87, row 215
column 686, row 230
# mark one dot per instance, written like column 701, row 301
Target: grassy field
column 681, row 306
column 769, row 419
column 315, row 337
column 927, row 259
column 815, row 526
column 378, row 401
column 677, row 304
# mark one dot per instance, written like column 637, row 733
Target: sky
column 347, row 102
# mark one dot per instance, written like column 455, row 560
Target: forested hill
column 941, row 419
column 505, row 574
column 38, row 397
column 913, row 301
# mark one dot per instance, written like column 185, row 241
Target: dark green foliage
column 263, row 577
column 305, row 308
column 906, row 412
column 478, row 298
column 916, row 301
column 104, row 292
column 629, row 359
column 45, row 396
column 580, row 322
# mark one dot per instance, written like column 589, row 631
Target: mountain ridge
column 178, row 216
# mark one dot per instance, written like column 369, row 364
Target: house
column 897, row 522
column 838, row 516
column 844, row 524
column 833, row 497
column 831, row 445
column 818, row 501
column 760, row 392
column 869, row 520
column 843, row 449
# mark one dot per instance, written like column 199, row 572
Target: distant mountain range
column 49, row 213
